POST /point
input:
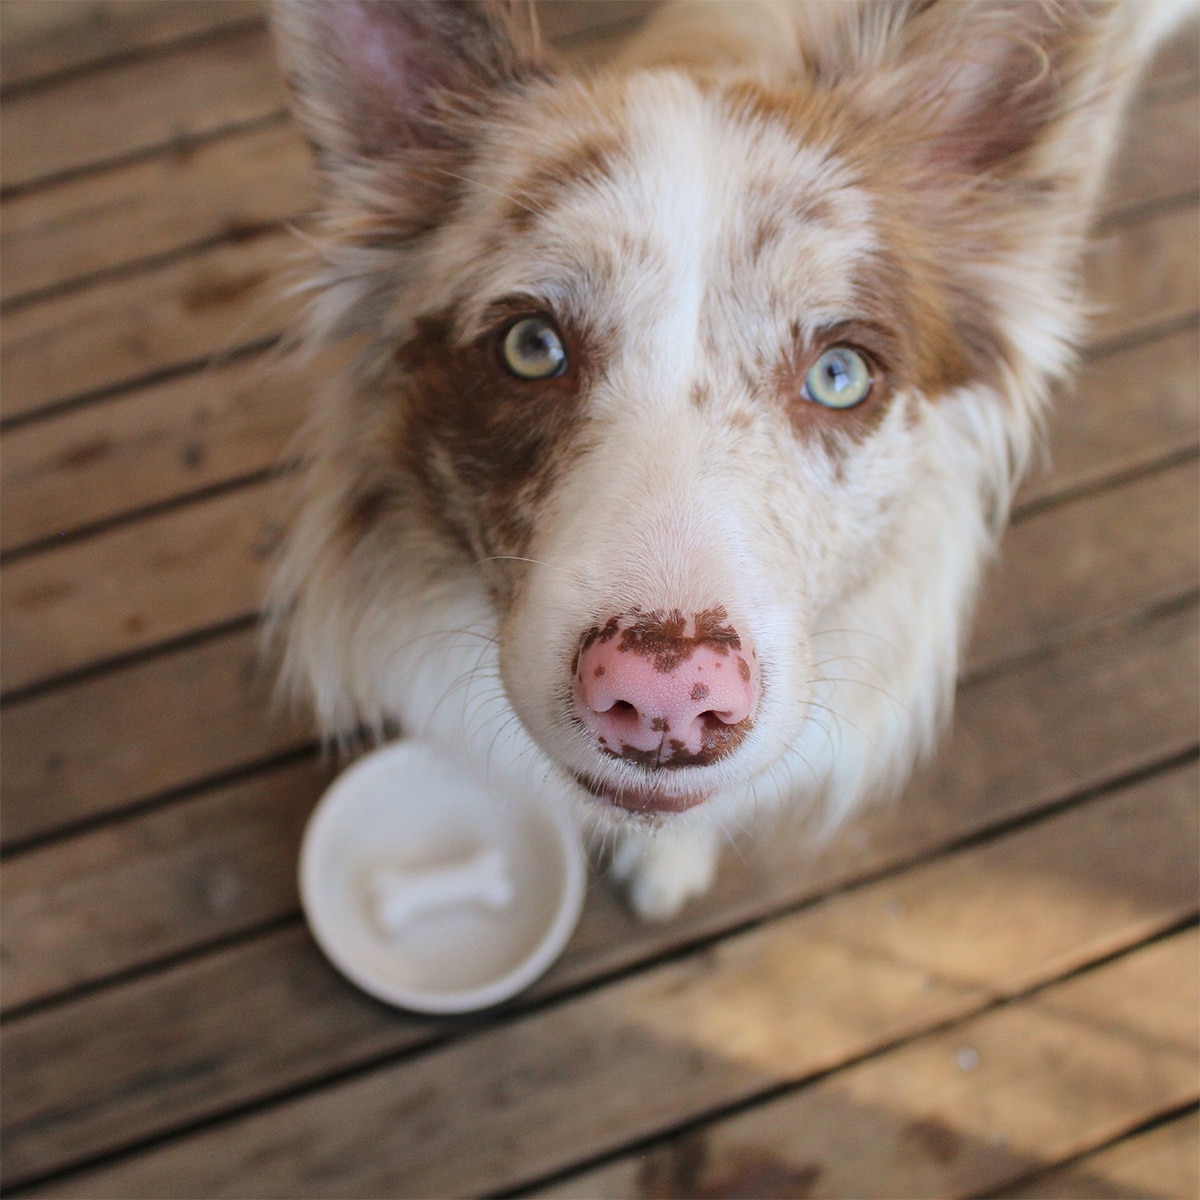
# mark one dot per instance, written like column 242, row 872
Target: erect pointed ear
column 373, row 77
column 980, row 86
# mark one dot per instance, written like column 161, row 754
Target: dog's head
column 709, row 373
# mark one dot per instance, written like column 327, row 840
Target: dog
column 685, row 398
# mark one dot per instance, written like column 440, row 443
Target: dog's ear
column 979, row 87
column 370, row 78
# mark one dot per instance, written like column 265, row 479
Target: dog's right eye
column 840, row 378
column 533, row 349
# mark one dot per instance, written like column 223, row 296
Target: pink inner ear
column 388, row 61
column 373, row 69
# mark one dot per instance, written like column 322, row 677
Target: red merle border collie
column 687, row 396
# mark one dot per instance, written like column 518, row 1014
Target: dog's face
column 672, row 361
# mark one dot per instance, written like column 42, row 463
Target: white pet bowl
column 404, row 807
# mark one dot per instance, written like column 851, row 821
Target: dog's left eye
column 533, row 349
column 840, row 378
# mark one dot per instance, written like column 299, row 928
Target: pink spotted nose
column 667, row 689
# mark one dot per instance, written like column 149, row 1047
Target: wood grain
column 1163, row 1161
column 45, row 37
column 188, row 1042
column 140, row 890
column 498, row 1108
column 1056, row 1073
column 185, row 313
column 153, row 445
column 1111, row 552
column 221, row 189
column 165, row 99
column 1151, row 266
column 78, row 753
column 135, row 586
column 1126, row 411
column 1159, row 156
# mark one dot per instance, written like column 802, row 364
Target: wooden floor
column 990, row 989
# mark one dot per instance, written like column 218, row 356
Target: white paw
column 662, row 871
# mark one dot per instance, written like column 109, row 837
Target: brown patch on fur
column 364, row 512
column 485, row 445
column 943, row 327
column 582, row 165
column 700, row 394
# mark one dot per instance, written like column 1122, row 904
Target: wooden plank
column 145, row 209
column 149, row 728
column 140, row 326
column 1126, row 411
column 1176, row 64
column 219, row 189
column 74, row 470
column 165, row 99
column 186, row 1043
column 1151, row 266
column 1163, row 1161
column 1110, row 552
column 493, row 1110
column 160, row 442
column 134, row 586
column 44, row 37
column 1159, row 156
column 1049, row 1076
column 145, row 888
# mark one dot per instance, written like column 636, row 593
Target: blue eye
column 840, row 378
column 532, row 349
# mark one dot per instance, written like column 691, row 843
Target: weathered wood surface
column 961, row 1111
column 40, row 38
column 499, row 1107
column 188, row 1042
column 1163, row 1161
column 153, row 954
